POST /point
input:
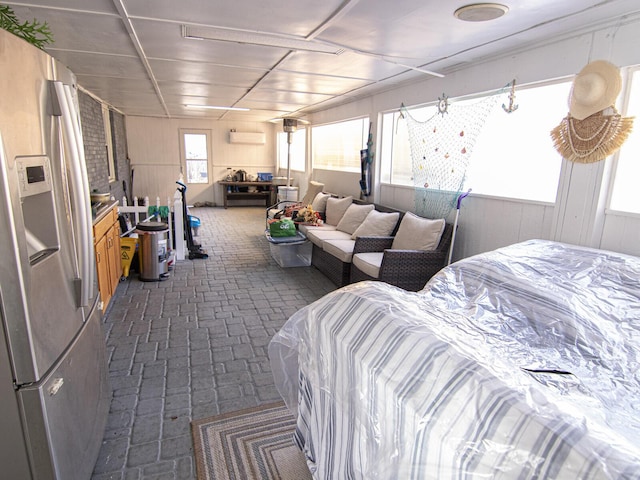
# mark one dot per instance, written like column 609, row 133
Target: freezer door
column 65, row 416
column 41, row 274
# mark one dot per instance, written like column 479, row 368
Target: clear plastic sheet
column 517, row 363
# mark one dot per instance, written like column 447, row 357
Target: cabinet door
column 113, row 252
column 102, row 267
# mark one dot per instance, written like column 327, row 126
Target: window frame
column 183, row 154
column 629, row 74
column 354, row 164
column 387, row 167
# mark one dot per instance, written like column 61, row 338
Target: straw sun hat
column 595, row 88
column 593, row 129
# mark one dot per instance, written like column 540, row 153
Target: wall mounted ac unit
column 255, row 138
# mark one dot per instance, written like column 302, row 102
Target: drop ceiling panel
column 213, row 99
column 347, row 64
column 251, row 116
column 192, row 72
column 130, row 102
column 285, row 96
column 201, row 89
column 174, row 101
column 269, row 105
column 82, row 63
column 148, row 110
column 411, row 26
column 98, row 6
column 292, row 18
column 113, row 87
column 302, row 82
column 165, row 41
column 81, row 31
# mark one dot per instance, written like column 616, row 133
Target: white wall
column 154, row 151
column 486, row 223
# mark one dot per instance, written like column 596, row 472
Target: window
column 624, row 196
column 111, row 164
column 396, row 164
column 298, row 148
column 195, row 151
column 513, row 156
column 337, row 146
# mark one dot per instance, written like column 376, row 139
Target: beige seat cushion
column 353, row 217
column 368, row 263
column 341, row 249
column 377, row 224
column 313, row 189
column 304, row 228
column 319, row 235
column 418, row 233
column 336, row 208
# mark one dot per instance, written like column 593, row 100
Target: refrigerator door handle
column 80, row 189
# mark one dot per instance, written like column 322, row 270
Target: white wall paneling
column 621, row 233
column 255, row 138
column 154, row 144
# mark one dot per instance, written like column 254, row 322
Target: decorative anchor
column 512, row 98
column 443, row 104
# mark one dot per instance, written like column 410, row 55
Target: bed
column 517, row 363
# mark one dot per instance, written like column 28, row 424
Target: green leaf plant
column 34, row 32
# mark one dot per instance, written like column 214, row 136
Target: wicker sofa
column 333, row 243
column 409, row 269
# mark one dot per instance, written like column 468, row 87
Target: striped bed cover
column 521, row 363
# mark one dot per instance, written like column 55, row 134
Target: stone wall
column 95, row 150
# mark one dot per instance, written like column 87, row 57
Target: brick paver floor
column 195, row 345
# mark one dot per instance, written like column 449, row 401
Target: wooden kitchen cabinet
column 106, row 235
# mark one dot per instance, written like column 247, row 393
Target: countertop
column 100, row 211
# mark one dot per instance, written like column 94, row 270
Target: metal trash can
column 153, row 250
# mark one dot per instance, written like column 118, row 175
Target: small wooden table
column 231, row 191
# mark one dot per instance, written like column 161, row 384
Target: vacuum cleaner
column 195, row 250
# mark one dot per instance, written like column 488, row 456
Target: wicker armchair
column 407, row 269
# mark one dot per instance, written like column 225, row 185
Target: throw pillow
column 353, row 217
column 319, row 203
column 312, row 190
column 336, row 208
column 377, row 224
column 418, row 233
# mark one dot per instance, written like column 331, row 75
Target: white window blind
column 337, row 146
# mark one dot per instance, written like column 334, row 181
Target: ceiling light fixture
column 480, row 12
column 214, row 107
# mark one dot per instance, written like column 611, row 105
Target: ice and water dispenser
column 38, row 208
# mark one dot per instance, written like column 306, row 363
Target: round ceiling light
column 480, row 12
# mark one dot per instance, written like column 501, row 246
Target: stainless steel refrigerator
column 54, row 391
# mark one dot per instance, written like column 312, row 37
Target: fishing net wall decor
column 440, row 151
